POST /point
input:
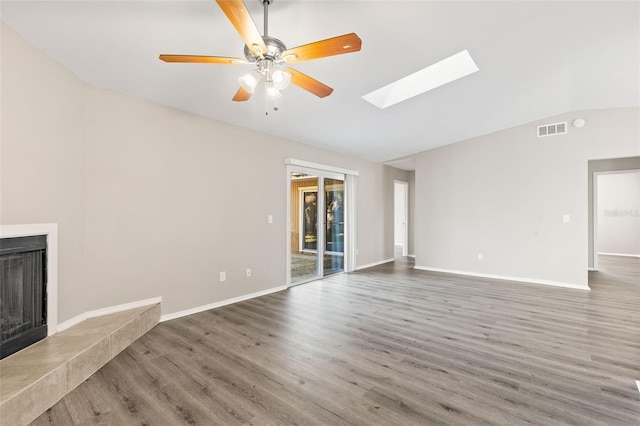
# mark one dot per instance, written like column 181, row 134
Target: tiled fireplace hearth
column 39, row 376
column 36, row 377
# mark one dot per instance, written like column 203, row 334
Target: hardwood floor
column 386, row 345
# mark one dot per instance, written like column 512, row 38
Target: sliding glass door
column 333, row 226
column 316, row 231
column 303, row 227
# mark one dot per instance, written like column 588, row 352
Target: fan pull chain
column 266, row 106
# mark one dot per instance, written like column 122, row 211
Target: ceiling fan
column 271, row 55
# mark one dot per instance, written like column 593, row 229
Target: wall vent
column 552, row 129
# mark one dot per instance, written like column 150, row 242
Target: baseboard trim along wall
column 620, row 254
column 505, row 278
column 106, row 311
column 198, row 309
column 369, row 265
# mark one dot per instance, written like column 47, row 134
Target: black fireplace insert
column 23, row 281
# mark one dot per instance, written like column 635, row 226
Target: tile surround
column 124, row 336
column 83, row 365
column 37, row 398
column 37, row 377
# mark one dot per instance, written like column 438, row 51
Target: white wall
column 42, row 156
column 618, row 208
column 151, row 201
column 504, row 195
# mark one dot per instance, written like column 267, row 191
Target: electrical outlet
column 480, row 256
column 248, row 272
column 223, row 276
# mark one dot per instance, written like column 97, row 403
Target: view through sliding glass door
column 317, row 213
column 333, row 226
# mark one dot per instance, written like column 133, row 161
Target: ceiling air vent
column 552, row 129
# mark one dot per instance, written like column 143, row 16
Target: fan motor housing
column 274, row 51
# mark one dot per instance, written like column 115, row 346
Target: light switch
column 270, row 219
column 566, row 218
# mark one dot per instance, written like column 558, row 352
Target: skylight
column 436, row 75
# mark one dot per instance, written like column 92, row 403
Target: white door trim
column 318, row 166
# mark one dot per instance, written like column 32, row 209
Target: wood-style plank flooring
column 385, row 346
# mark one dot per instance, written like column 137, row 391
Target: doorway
column 401, row 218
column 597, row 168
column 616, row 215
column 317, row 224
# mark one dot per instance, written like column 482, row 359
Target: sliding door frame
column 324, row 171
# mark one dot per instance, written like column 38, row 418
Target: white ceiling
column 536, row 59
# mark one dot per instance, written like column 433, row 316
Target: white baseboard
column 506, row 278
column 619, row 254
column 369, row 265
column 106, row 311
column 198, row 309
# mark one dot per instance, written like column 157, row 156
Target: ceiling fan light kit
column 271, row 56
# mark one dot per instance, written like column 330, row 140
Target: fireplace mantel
column 51, row 231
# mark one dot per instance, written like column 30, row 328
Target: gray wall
column 152, row 201
column 504, row 195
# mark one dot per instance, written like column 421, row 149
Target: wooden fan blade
column 240, row 18
column 309, row 84
column 320, row 49
column 202, row 59
column 242, row 95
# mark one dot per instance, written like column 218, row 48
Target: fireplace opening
column 23, row 276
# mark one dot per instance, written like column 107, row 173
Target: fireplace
column 23, row 304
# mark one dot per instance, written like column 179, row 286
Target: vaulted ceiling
column 536, row 59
